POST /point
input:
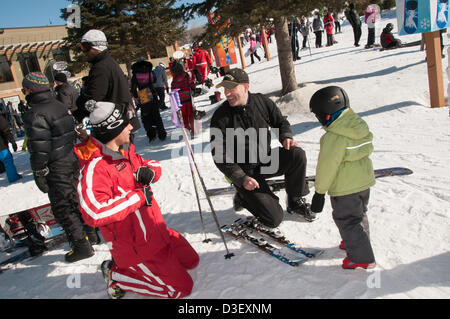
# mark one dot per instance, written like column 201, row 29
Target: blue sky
column 32, row 13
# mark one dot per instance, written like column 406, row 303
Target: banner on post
column 225, row 50
column 420, row 16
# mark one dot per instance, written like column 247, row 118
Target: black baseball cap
column 233, row 78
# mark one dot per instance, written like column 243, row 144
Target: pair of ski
column 267, row 240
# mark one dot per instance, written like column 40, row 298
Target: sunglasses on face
column 85, row 47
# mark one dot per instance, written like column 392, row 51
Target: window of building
column 5, row 71
column 28, row 62
column 61, row 54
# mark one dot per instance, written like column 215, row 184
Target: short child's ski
column 240, row 233
column 442, row 13
column 278, row 237
column 278, row 184
column 411, row 16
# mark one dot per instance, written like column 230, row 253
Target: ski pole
column 173, row 102
column 228, row 254
column 206, row 240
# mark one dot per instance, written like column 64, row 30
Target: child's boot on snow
column 347, row 264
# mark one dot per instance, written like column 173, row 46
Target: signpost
column 428, row 17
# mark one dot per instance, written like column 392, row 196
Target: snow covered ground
column 410, row 229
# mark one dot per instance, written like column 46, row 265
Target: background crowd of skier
column 54, row 118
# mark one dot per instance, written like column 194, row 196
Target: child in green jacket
column 345, row 171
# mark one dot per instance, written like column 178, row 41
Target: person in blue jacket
column 6, row 158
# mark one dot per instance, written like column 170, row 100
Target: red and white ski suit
column 202, row 61
column 149, row 258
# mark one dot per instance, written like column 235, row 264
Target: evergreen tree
column 234, row 16
column 134, row 28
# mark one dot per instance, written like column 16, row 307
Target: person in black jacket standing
column 142, row 88
column 65, row 93
column 51, row 139
column 240, row 145
column 6, row 136
column 353, row 17
column 106, row 81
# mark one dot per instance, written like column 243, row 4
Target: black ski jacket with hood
column 238, row 132
column 49, row 128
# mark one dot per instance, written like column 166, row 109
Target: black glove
column 14, row 146
column 317, row 202
column 40, row 178
column 148, row 195
column 167, row 90
column 145, row 175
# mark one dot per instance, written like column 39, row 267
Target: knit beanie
column 108, row 119
column 36, row 82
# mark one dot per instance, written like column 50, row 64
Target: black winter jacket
column 49, row 128
column 353, row 17
column 106, row 83
column 67, row 95
column 260, row 113
column 144, row 67
column 6, row 135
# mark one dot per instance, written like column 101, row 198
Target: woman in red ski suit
column 149, row 258
column 328, row 22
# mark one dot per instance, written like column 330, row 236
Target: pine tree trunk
column 288, row 80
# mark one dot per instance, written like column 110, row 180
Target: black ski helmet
column 389, row 27
column 327, row 101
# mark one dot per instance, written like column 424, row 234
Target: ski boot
column 81, row 249
column 258, row 225
column 347, row 264
column 113, row 291
column 92, row 235
column 162, row 134
column 300, row 207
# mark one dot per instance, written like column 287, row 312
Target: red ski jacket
column 386, row 39
column 328, row 22
column 201, row 57
column 111, row 199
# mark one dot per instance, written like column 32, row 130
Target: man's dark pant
column 62, row 180
column 262, row 202
column 357, row 34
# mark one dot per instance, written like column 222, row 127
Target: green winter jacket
column 344, row 166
